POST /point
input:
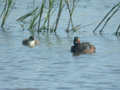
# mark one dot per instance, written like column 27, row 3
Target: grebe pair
column 76, row 49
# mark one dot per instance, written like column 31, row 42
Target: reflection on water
column 51, row 66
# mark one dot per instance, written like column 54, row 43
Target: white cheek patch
column 32, row 43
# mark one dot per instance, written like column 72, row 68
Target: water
column 51, row 66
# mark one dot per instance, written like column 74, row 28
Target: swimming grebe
column 31, row 42
column 82, row 48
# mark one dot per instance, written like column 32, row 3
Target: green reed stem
column 59, row 14
column 106, row 16
column 41, row 13
column 22, row 18
column 70, row 13
column 6, row 12
column 49, row 12
column 109, row 18
column 5, row 6
column 32, row 24
column 118, row 28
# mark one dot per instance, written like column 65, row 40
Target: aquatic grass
column 47, row 18
column 48, row 27
column 22, row 18
column 6, row 11
column 34, row 14
column 5, row 6
column 59, row 14
column 106, row 16
column 40, row 20
column 70, row 20
column 117, row 31
column 32, row 23
column 40, row 14
column 114, row 12
column 49, row 12
column 70, row 13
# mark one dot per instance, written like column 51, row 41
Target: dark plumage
column 27, row 41
column 82, row 48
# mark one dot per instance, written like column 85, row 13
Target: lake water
column 51, row 66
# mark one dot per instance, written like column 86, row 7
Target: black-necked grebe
column 82, row 48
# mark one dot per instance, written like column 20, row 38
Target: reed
column 59, row 14
column 5, row 6
column 22, row 18
column 49, row 12
column 70, row 14
column 33, row 22
column 40, row 14
column 41, row 20
column 46, row 20
column 113, row 10
column 117, row 31
column 6, row 11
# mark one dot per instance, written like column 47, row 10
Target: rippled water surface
column 51, row 66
